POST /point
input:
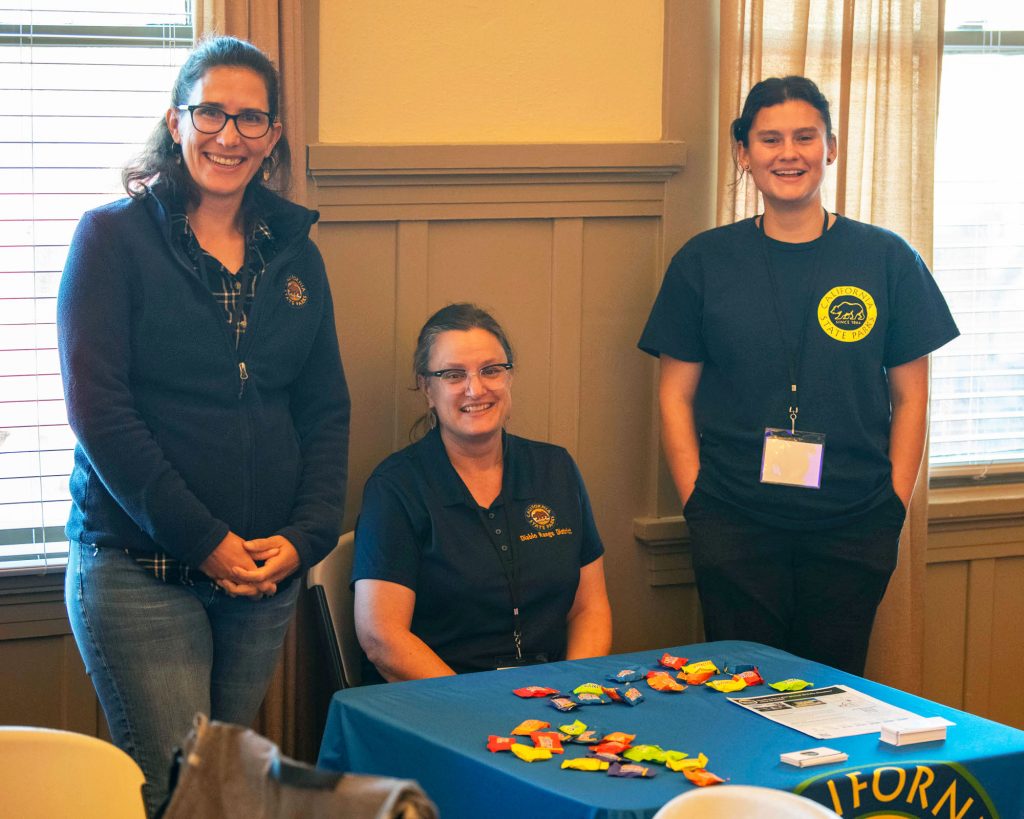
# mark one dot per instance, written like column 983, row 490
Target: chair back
column 328, row 581
column 50, row 774
column 748, row 801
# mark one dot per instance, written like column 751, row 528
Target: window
column 81, row 86
column 978, row 380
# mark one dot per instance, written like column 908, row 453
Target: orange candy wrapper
column 752, row 677
column 527, row 727
column 696, row 678
column 496, row 743
column 619, row 736
column 701, row 777
column 662, row 681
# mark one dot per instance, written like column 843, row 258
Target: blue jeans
column 157, row 653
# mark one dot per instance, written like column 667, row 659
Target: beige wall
column 465, row 71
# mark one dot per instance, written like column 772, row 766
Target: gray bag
column 226, row 771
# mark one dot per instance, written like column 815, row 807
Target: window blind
column 81, row 86
column 978, row 380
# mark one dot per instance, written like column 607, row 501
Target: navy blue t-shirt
column 419, row 526
column 862, row 300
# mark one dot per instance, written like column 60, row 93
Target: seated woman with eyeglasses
column 475, row 549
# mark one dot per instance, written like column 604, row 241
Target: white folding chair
column 49, row 774
column 746, row 801
column 328, row 580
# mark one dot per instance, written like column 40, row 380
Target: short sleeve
column 387, row 547
column 674, row 325
column 591, row 548
column 920, row 321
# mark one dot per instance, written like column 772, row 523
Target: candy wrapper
column 632, row 696
column 591, row 736
column 535, row 691
column 573, row 730
column 529, row 754
column 548, row 740
column 610, row 747
column 750, row 676
column 662, row 681
column 585, row 763
column 619, row 736
column 701, row 777
column 791, row 685
column 696, row 678
column 588, row 688
column 496, row 743
column 606, row 756
column 586, row 698
column 685, row 763
column 645, row 753
column 631, row 673
column 563, row 704
column 527, row 727
column 669, row 661
column 630, row 770
column 614, row 694
column 700, row 667
column 726, row 686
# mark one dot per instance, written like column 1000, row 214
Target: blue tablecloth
column 435, row 731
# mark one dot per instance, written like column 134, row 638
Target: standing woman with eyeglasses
column 204, row 384
column 794, row 394
column 475, row 549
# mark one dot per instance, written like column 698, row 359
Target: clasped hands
column 232, row 565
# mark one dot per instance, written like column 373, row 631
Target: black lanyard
column 794, row 358
column 509, row 569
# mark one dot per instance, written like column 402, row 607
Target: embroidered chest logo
column 847, row 313
column 295, row 292
column 540, row 517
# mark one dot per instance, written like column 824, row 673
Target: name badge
column 792, row 458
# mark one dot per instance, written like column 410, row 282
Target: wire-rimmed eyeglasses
column 493, row 375
column 209, row 119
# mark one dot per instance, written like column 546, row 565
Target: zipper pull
column 243, row 376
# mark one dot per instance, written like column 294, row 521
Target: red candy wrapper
column 669, row 661
column 751, row 677
column 610, row 747
column 535, row 691
column 702, row 777
column 495, row 743
column 612, row 693
column 548, row 740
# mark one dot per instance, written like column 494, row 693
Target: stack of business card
column 813, row 756
column 910, row 731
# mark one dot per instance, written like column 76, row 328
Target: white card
column 792, row 458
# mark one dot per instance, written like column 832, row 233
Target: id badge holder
column 503, row 663
column 792, row 458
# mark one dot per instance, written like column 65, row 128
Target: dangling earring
column 176, row 150
column 267, row 168
column 432, row 415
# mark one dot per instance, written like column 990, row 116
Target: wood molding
column 667, row 542
column 437, row 182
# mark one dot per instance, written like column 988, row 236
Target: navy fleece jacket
column 180, row 436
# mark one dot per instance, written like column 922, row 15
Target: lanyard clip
column 792, row 419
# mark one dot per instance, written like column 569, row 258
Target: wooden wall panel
column 945, row 629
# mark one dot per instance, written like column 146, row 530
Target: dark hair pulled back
column 774, row 91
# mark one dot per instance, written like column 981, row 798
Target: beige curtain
column 878, row 63
column 289, row 715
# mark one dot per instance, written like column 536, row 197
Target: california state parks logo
column 847, row 313
column 295, row 292
column 540, row 517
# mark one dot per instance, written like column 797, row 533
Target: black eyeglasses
column 493, row 375
column 209, row 119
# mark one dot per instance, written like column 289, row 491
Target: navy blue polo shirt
column 419, row 526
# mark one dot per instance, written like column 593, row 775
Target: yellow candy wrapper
column 530, row 754
column 726, row 686
column 699, row 761
column 703, row 665
column 674, row 756
column 588, row 688
column 573, row 730
column 527, row 727
column 585, row 763
column 791, row 685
